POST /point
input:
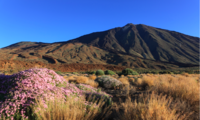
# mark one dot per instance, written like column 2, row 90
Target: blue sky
column 61, row 20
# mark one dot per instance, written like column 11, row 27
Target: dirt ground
column 15, row 66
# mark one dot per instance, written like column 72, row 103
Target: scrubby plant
column 124, row 80
column 92, row 77
column 99, row 72
column 129, row 71
column 82, row 79
column 109, row 72
column 74, row 73
column 119, row 73
column 59, row 109
column 58, row 72
column 108, row 82
column 93, row 83
column 91, row 72
column 93, row 94
column 19, row 91
column 152, row 107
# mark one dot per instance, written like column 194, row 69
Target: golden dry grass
column 151, row 107
column 138, row 81
column 69, row 109
column 124, row 80
column 93, row 83
column 132, row 80
column 82, row 79
column 73, row 77
column 147, row 80
column 130, row 75
column 178, row 86
column 92, row 77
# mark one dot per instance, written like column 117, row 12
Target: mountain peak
column 127, row 26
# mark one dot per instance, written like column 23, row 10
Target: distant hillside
column 136, row 46
column 146, row 42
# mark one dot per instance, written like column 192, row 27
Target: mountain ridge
column 136, row 46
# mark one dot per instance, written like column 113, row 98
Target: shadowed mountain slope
column 146, row 42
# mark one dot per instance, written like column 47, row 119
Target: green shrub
column 91, row 72
column 119, row 73
column 171, row 73
column 99, row 72
column 74, row 73
column 129, row 71
column 155, row 72
column 176, row 72
column 58, row 72
column 109, row 72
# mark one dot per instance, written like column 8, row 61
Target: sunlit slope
column 61, row 53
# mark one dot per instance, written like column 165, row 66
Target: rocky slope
column 136, row 46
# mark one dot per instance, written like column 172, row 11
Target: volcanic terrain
column 134, row 46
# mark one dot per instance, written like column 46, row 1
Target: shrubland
column 41, row 93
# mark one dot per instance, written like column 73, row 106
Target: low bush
column 74, row 73
column 108, row 82
column 91, row 72
column 99, row 72
column 109, row 72
column 58, row 72
column 124, row 80
column 95, row 95
column 129, row 71
column 19, row 91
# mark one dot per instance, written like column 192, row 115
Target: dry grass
column 73, row 77
column 138, row 81
column 185, row 87
column 130, row 75
column 147, row 80
column 93, row 83
column 70, row 109
column 124, row 80
column 66, row 78
column 151, row 107
column 132, row 80
column 82, row 79
column 179, row 86
column 92, row 77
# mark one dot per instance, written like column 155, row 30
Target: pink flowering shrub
column 18, row 91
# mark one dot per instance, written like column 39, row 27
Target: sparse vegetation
column 129, row 71
column 108, row 82
column 58, row 72
column 109, row 72
column 162, row 96
column 92, row 77
column 99, row 72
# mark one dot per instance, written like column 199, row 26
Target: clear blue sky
column 61, row 20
